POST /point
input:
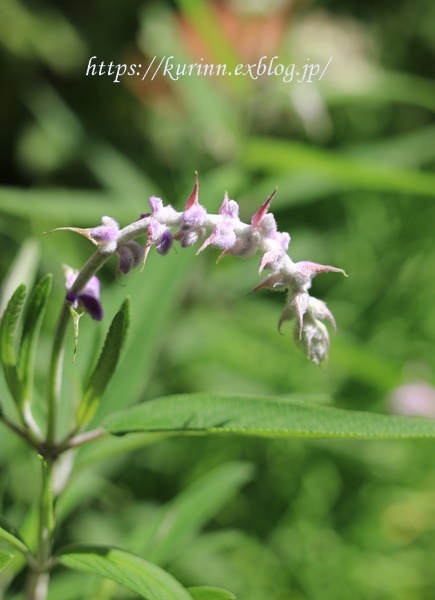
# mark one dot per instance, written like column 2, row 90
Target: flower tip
column 262, row 211
column 221, row 255
column 193, row 198
column 203, row 247
column 84, row 232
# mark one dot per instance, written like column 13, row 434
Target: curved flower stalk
column 225, row 231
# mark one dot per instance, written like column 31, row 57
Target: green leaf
column 11, row 535
column 5, row 559
column 32, row 325
column 144, row 578
column 21, row 270
column 210, row 593
column 266, row 417
column 165, row 536
column 8, row 327
column 106, row 364
column 275, row 156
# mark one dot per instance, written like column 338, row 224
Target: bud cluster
column 225, row 231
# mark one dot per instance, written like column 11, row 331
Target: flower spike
column 164, row 225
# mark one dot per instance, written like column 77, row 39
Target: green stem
column 37, row 587
column 46, row 513
column 55, row 373
column 95, row 262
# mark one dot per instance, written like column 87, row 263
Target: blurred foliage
column 353, row 160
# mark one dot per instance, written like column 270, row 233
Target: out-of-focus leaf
column 208, row 414
column 110, row 447
column 65, row 206
column 174, row 526
column 210, row 593
column 202, row 18
column 9, row 533
column 275, row 156
column 144, row 578
column 8, row 326
column 21, row 270
column 5, row 559
column 106, row 364
column 34, row 315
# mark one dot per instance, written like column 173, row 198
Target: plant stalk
column 94, row 263
column 37, row 587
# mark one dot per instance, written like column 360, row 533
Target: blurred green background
column 353, row 159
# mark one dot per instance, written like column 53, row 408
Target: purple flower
column 160, row 212
column 106, row 234
column 88, row 298
column 280, row 243
column 229, row 208
column 164, row 243
column 413, row 400
column 194, row 214
column 223, row 235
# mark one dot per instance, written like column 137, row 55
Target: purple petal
column 92, row 288
column 73, row 299
column 92, row 305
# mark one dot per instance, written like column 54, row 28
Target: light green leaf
column 32, row 324
column 173, row 527
column 21, row 270
column 10, row 534
column 8, row 327
column 276, row 156
column 210, row 593
column 106, row 364
column 219, row 414
column 144, row 578
column 5, row 559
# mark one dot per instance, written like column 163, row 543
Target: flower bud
column 130, row 256
column 164, row 244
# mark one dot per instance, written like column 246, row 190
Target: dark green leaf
column 267, row 417
column 210, row 593
column 32, row 324
column 9, row 533
column 144, row 578
column 5, row 559
column 8, row 327
column 106, row 364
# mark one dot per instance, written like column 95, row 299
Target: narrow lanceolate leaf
column 144, row 578
column 5, row 559
column 210, row 593
column 267, row 417
column 32, row 324
column 106, row 364
column 8, row 327
column 10, row 534
column 165, row 536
